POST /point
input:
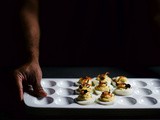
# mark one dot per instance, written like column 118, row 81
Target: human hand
column 29, row 74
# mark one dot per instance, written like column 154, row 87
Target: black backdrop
column 85, row 33
column 119, row 33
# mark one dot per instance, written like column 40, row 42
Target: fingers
column 38, row 90
column 19, row 85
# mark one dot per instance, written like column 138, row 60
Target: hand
column 29, row 74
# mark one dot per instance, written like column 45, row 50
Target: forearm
column 31, row 30
column 154, row 7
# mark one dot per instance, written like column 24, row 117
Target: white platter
column 61, row 94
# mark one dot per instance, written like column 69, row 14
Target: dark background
column 86, row 33
column 82, row 33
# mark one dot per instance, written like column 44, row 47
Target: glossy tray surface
column 61, row 94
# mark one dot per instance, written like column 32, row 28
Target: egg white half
column 113, row 83
column 95, row 82
column 123, row 92
column 77, row 84
column 105, row 103
column 85, row 102
column 97, row 92
column 77, row 91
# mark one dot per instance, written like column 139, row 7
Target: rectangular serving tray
column 61, row 94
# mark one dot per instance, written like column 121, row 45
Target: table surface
column 76, row 72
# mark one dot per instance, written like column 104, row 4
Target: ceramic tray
column 61, row 94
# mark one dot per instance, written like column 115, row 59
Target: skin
column 30, row 73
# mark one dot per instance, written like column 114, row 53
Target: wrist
column 33, row 56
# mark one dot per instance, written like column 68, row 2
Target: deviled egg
column 101, row 87
column 104, row 77
column 123, row 89
column 119, row 80
column 85, row 97
column 84, row 80
column 84, row 86
column 106, row 98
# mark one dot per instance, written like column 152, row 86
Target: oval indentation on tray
column 48, row 83
column 127, row 101
column 65, row 91
column 155, row 83
column 49, row 91
column 139, row 83
column 65, row 84
column 64, row 100
column 156, row 91
column 43, row 101
column 148, row 101
column 143, row 91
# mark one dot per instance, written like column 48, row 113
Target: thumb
column 38, row 90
